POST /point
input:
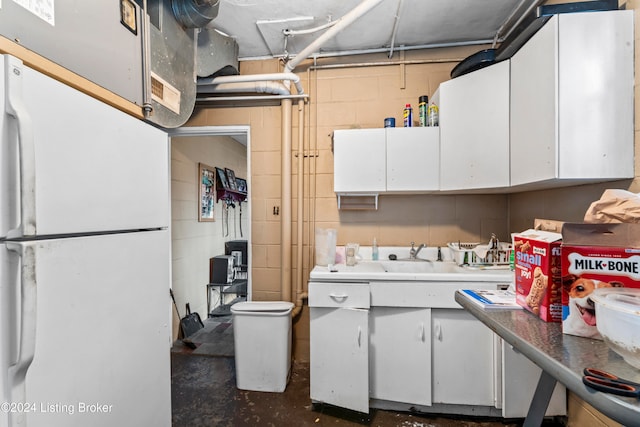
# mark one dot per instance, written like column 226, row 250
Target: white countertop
column 426, row 271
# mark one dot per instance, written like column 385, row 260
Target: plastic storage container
column 262, row 338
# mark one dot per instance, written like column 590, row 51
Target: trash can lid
column 261, row 306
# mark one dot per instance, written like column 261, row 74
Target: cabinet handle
column 422, row 332
column 438, row 331
column 359, row 336
column 338, row 298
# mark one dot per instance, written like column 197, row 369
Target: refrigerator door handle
column 27, row 319
column 14, row 106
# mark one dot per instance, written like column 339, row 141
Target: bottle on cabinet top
column 432, row 119
column 423, row 106
column 407, row 114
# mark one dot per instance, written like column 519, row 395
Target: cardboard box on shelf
column 538, row 273
column 595, row 256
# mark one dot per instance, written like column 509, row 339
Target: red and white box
column 538, row 273
column 595, row 256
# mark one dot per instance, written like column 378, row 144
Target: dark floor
column 204, row 393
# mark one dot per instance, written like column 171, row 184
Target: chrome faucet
column 413, row 252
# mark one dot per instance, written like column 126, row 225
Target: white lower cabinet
column 400, row 354
column 339, row 348
column 409, row 346
column 463, row 367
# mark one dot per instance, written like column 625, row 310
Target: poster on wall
column 207, row 192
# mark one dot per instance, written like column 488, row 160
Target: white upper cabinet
column 572, row 101
column 413, row 159
column 474, row 130
column 386, row 160
column 359, row 161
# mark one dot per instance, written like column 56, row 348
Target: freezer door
column 102, row 331
column 71, row 164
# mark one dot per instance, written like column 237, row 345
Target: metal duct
column 195, row 13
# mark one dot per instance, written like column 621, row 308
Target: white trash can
column 262, row 339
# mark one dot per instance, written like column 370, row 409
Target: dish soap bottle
column 374, row 250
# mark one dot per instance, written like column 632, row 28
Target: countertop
column 428, row 271
column 563, row 356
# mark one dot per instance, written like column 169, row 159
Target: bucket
column 326, row 239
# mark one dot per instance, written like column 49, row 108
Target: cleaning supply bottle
column 374, row 250
column 407, row 114
column 433, row 115
column 423, row 106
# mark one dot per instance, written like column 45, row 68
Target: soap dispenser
column 374, row 250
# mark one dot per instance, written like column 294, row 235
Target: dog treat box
column 538, row 273
column 595, row 256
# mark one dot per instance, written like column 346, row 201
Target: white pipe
column 300, row 296
column 288, row 32
column 300, row 191
column 396, row 25
column 274, row 88
column 252, row 78
column 357, row 12
column 249, row 98
column 379, row 50
column 385, row 63
column 285, row 211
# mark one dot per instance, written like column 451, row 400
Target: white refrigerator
column 84, row 259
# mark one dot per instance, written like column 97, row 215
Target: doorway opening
column 196, row 239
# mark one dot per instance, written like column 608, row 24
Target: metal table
column 237, row 287
column 562, row 358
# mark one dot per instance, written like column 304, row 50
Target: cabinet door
column 359, row 160
column 463, row 359
column 474, row 129
column 400, row 354
column 339, row 369
column 413, row 159
column 571, row 100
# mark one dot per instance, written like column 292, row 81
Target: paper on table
column 489, row 299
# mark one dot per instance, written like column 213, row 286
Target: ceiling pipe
column 381, row 50
column 288, row 32
column 396, row 25
column 250, row 98
column 291, row 77
column 357, row 12
column 271, row 87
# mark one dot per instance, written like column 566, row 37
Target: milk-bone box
column 595, row 256
column 538, row 273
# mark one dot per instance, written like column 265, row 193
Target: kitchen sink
column 421, row 266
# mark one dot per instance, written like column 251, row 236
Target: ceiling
column 257, row 25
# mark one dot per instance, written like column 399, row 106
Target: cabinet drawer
column 326, row 294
